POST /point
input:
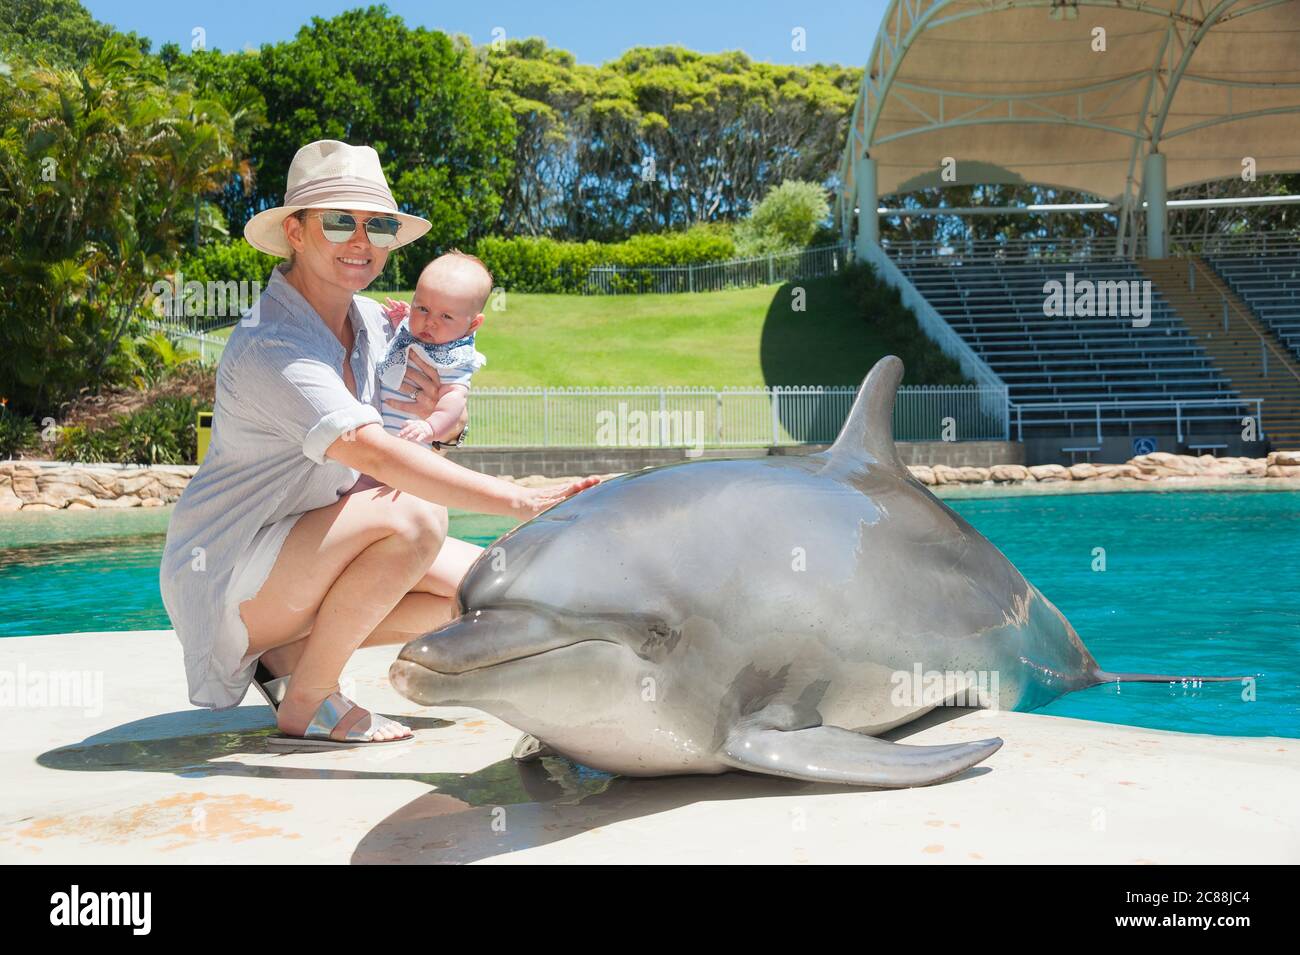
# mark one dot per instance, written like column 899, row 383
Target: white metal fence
column 706, row 417
column 208, row 347
column 714, row 276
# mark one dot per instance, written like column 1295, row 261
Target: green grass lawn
column 739, row 337
column 713, row 339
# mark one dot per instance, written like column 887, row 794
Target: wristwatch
column 460, row 439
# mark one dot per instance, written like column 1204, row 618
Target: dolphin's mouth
column 479, row 639
column 437, row 654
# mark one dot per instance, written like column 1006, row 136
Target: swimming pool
column 1193, row 582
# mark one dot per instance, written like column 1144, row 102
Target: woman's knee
column 422, row 524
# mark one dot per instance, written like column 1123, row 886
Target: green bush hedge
column 232, row 260
column 527, row 264
column 164, row 432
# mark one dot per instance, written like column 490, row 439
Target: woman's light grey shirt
column 281, row 401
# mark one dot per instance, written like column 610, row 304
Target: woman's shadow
column 504, row 807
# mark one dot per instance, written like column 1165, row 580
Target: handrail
column 1025, row 248
column 1268, row 343
column 1017, row 410
column 1242, row 243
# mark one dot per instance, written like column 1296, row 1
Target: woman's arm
column 410, row 467
column 422, row 382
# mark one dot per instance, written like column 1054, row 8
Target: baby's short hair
column 455, row 258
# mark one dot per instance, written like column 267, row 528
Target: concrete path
column 132, row 773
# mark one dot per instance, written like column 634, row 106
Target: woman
column 269, row 562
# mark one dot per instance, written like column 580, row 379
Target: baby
column 445, row 312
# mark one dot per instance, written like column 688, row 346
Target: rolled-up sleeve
column 300, row 398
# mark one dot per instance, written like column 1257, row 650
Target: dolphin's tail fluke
column 1105, row 676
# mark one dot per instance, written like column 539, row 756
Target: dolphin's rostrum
column 751, row 614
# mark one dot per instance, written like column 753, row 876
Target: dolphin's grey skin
column 749, row 614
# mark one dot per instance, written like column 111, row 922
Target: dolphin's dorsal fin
column 868, row 433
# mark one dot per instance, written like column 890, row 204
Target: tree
column 421, row 101
column 60, row 31
column 99, row 165
column 787, row 218
column 662, row 137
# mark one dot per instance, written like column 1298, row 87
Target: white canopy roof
column 1015, row 91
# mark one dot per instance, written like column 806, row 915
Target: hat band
column 338, row 190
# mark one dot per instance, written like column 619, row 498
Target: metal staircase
column 1245, row 351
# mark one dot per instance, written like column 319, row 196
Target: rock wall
column 37, row 486
column 1148, row 467
column 42, row 486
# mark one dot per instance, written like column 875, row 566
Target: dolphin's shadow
column 550, row 800
column 503, row 807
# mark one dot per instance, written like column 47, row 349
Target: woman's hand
column 421, row 382
column 534, row 500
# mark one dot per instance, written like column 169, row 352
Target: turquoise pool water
column 1194, row 582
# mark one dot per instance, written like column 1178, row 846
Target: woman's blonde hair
column 301, row 216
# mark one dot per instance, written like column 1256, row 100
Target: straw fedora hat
column 328, row 174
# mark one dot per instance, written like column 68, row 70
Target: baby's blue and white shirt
column 456, row 363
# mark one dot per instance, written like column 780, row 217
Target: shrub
column 882, row 306
column 232, row 260
column 17, row 433
column 528, row 264
column 789, row 216
column 164, row 432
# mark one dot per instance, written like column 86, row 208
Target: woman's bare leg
column 427, row 607
column 340, row 572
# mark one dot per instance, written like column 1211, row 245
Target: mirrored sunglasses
column 340, row 226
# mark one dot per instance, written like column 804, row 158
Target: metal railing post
column 1178, row 420
column 546, row 418
column 776, row 416
column 1263, row 355
column 1225, row 313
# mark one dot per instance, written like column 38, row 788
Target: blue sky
column 838, row 31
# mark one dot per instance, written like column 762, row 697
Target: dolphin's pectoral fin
column 530, row 749
column 829, row 754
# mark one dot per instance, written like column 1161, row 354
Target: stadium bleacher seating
column 997, row 308
column 1270, row 285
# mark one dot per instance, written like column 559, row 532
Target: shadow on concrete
column 510, row 806
column 465, row 817
column 198, row 743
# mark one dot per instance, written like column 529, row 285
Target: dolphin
column 759, row 614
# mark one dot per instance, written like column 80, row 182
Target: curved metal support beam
column 1011, row 121
column 1175, row 77
column 1235, row 117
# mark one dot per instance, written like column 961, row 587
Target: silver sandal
column 338, row 724
column 271, row 687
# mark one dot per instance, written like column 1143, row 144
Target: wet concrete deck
column 144, row 777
